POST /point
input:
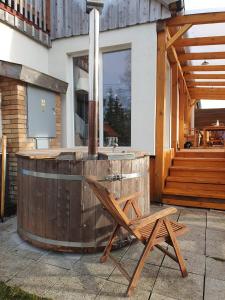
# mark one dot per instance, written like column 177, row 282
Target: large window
column 81, row 100
column 117, row 97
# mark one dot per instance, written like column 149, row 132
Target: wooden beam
column 171, row 32
column 48, row 15
column 160, row 112
column 207, row 97
column 204, row 68
column 201, row 56
column 209, row 90
column 207, row 18
column 174, row 102
column 203, row 76
column 200, row 41
column 208, row 93
column 178, row 34
column 181, row 112
column 178, row 64
column 205, row 83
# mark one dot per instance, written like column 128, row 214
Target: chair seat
column 178, row 229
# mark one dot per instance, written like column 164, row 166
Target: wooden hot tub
column 56, row 208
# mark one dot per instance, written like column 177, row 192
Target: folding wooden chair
column 150, row 230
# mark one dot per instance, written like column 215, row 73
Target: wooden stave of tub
column 64, row 215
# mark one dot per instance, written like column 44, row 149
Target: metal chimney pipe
column 93, row 83
column 93, row 8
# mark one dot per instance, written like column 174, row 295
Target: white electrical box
column 41, row 113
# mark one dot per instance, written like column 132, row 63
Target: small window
column 117, row 97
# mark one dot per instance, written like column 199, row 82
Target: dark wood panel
column 51, row 202
column 63, row 203
column 75, row 188
column 205, row 117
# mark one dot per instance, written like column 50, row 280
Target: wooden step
column 197, row 172
column 195, row 186
column 199, row 162
column 201, row 153
column 195, row 193
column 197, row 180
column 194, row 202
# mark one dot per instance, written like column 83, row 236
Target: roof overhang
column 31, row 76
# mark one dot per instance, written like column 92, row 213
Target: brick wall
column 14, row 126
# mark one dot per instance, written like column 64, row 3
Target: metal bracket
column 97, row 4
column 114, row 177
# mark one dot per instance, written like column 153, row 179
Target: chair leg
column 176, row 248
column 109, row 244
column 144, row 255
column 112, row 237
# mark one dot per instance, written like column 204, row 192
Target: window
column 117, row 97
column 81, row 100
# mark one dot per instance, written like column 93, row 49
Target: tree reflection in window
column 117, row 96
column 81, row 100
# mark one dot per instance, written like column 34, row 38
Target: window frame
column 102, row 51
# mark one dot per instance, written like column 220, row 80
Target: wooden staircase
column 197, row 179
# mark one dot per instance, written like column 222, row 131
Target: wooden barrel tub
column 56, row 208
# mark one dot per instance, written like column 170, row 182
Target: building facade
column 48, row 42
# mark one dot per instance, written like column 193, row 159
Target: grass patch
column 15, row 293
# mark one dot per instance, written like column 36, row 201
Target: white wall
column 58, row 62
column 18, row 48
column 142, row 40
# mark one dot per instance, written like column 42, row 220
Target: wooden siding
column 69, row 17
column 205, row 117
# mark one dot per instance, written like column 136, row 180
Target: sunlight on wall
column 18, row 48
column 204, row 6
column 6, row 34
column 212, row 104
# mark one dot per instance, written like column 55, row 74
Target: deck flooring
column 72, row 276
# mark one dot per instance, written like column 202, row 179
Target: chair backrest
column 109, row 202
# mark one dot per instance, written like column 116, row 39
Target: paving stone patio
column 72, row 276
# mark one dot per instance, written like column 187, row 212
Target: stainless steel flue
column 93, row 8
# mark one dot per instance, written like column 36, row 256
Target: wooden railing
column 34, row 12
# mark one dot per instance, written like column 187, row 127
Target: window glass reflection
column 81, row 100
column 117, row 97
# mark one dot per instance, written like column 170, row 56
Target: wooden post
column 3, row 175
column 48, row 15
column 189, row 110
column 181, row 112
column 160, row 112
column 174, row 101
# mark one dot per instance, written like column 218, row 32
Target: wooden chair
column 150, row 230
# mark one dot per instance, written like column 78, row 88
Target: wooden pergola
column 187, row 87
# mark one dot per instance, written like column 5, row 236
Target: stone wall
column 14, row 126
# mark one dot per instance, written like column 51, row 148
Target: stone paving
column 71, row 276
